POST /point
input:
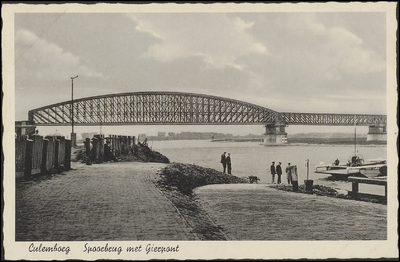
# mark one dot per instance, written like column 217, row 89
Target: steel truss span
column 332, row 119
column 152, row 108
column 181, row 108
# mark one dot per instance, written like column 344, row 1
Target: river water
column 253, row 158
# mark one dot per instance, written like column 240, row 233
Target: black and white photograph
column 140, row 131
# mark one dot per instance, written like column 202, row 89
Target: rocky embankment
column 185, row 177
column 177, row 182
column 142, row 153
column 137, row 153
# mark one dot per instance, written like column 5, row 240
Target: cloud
column 313, row 58
column 42, row 60
column 219, row 39
column 300, row 62
column 350, row 54
column 333, row 51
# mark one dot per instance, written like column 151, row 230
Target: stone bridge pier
column 275, row 133
column 377, row 133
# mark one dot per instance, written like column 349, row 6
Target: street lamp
column 73, row 136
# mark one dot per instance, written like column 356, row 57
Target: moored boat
column 355, row 167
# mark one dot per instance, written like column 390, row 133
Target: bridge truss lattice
column 181, row 108
column 332, row 119
column 152, row 108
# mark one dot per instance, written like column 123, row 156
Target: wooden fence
column 37, row 155
column 354, row 193
column 100, row 149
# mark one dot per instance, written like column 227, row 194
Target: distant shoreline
column 311, row 141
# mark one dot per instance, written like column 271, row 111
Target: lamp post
column 73, row 135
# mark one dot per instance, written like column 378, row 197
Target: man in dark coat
column 279, row 173
column 273, row 172
column 223, row 161
column 228, row 162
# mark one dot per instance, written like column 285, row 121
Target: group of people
column 226, row 162
column 291, row 171
column 291, row 174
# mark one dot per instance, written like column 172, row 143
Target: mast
column 355, row 136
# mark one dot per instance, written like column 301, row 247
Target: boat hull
column 374, row 171
column 345, row 171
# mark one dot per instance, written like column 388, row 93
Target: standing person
column 295, row 178
column 228, row 162
column 279, row 173
column 223, row 161
column 289, row 174
column 273, row 172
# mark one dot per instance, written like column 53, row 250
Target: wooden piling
column 28, row 158
column 87, row 151
column 57, row 145
column 101, row 149
column 20, row 150
column 37, row 154
column 61, row 152
column 67, row 159
column 50, row 156
column 43, row 169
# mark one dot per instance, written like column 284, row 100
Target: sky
column 303, row 62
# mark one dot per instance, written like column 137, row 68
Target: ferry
column 355, row 167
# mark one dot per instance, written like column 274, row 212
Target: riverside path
column 110, row 201
column 119, row 201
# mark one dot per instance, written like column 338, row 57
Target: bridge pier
column 275, row 134
column 377, row 133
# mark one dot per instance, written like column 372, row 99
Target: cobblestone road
column 110, row 201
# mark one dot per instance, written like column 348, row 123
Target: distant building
column 171, row 135
column 141, row 137
column 24, row 128
column 88, row 135
column 161, row 135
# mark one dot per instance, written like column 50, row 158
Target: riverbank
column 152, row 201
column 320, row 190
column 259, row 212
column 309, row 141
column 177, row 182
column 200, row 194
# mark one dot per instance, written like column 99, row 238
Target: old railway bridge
column 174, row 108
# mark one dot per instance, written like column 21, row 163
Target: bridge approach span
column 176, row 108
column 332, row 119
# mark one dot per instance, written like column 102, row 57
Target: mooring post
column 354, row 188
